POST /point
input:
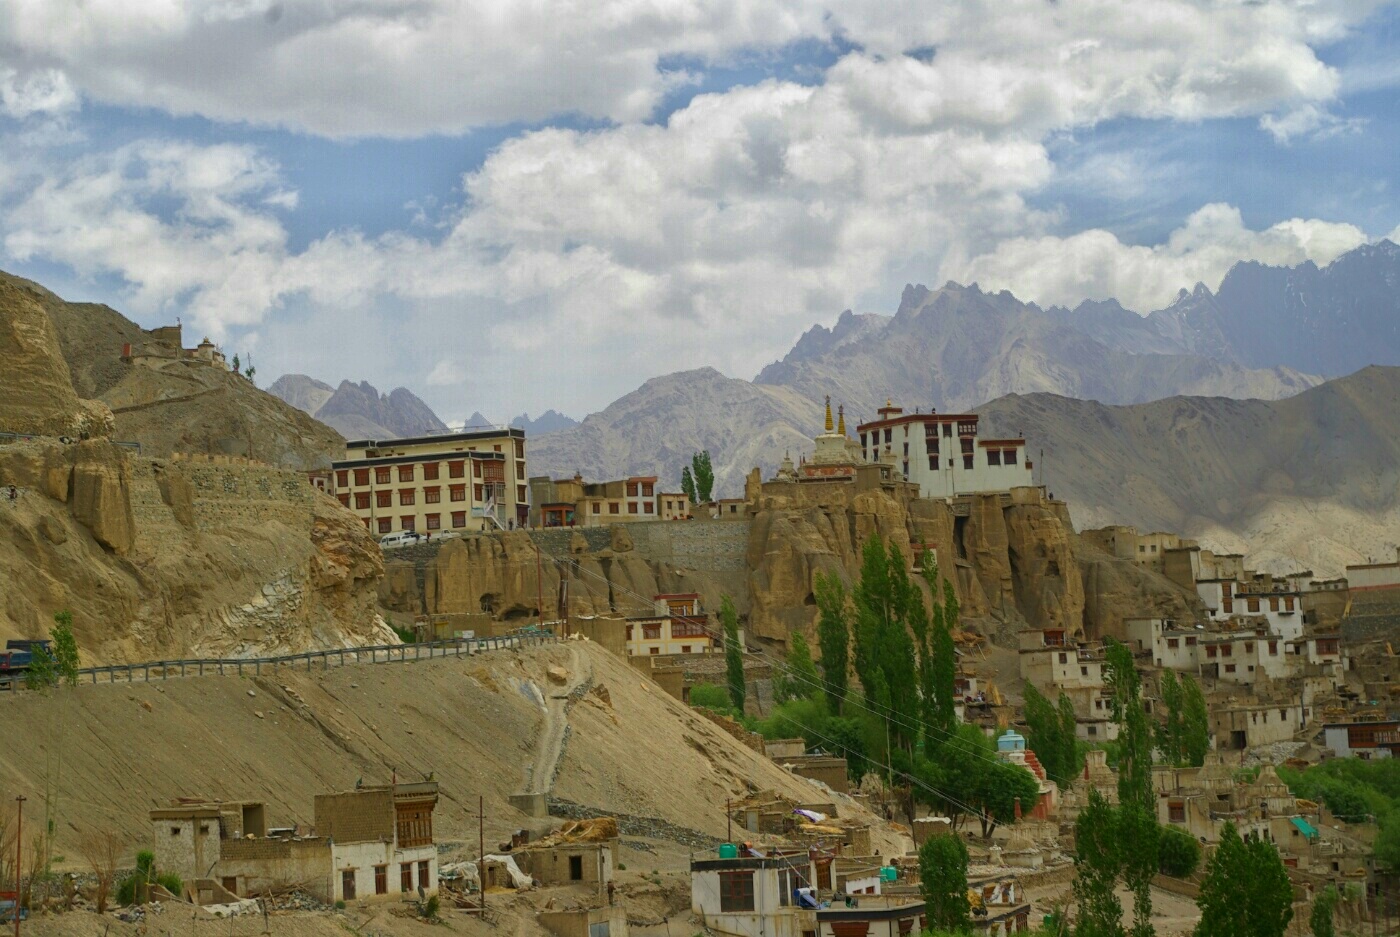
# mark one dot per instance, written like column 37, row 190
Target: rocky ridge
column 1014, row 560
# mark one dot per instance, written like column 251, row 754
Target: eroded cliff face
column 39, row 396
column 1014, row 560
column 160, row 559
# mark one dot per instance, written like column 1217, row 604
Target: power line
column 889, row 715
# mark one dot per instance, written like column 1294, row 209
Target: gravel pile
column 629, row 825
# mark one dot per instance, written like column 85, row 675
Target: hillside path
column 550, row 746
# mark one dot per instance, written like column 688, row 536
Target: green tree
column 704, row 475
column 938, row 658
column 1070, row 755
column 237, row 368
column 1171, row 732
column 884, row 650
column 833, row 637
column 733, row 652
column 688, row 485
column 943, row 882
column 65, row 648
column 1195, row 723
column 1137, row 806
column 1047, row 736
column 1246, row 892
column 1178, row 852
column 1098, row 851
column 1324, row 903
column 798, row 679
column 43, row 669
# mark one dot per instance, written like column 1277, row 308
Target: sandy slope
column 114, row 752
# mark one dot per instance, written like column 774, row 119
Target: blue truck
column 17, row 657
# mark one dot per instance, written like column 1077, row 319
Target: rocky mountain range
column 359, row 411
column 957, row 347
column 1308, row 482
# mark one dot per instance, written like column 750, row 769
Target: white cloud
column 592, row 258
column 446, row 373
column 408, row 67
column 44, row 91
column 1096, row 265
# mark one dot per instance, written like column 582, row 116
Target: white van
column 403, row 538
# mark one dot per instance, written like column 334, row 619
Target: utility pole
column 481, row 846
column 728, row 821
column 19, row 845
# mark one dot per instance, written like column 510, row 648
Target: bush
column 430, row 908
column 340, row 906
column 171, row 883
column 713, row 697
column 1178, row 853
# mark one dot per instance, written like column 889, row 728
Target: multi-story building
column 454, row 481
column 572, row 502
column 676, row 626
column 943, row 454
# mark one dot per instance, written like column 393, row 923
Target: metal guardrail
column 258, row 666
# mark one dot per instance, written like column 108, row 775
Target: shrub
column 171, row 883
column 711, row 696
column 340, row 906
column 430, row 908
column 1178, row 853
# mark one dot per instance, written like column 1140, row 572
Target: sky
column 512, row 205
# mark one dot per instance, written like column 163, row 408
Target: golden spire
column 841, row 425
column 828, row 413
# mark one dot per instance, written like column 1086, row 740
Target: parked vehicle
column 8, row 901
column 403, row 538
column 17, row 657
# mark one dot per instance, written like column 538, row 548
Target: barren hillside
column 473, row 722
column 187, row 407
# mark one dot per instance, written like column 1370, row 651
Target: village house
column 585, row 922
column 1054, row 664
column 1244, row 724
column 873, row 916
column 677, row 625
column 1146, row 550
column 1364, row 739
column 369, row 843
column 572, row 502
column 752, row 896
column 467, row 481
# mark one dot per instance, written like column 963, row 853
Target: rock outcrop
column 39, row 396
column 1014, row 560
column 167, row 559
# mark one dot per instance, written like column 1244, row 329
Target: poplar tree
column 1137, row 815
column 688, row 485
column 733, row 653
column 884, row 601
column 798, row 679
column 1195, row 722
column 1171, row 733
column 833, row 638
column 1097, row 859
column 704, row 475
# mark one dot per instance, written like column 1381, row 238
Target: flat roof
column 449, row 456
column 514, row 432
